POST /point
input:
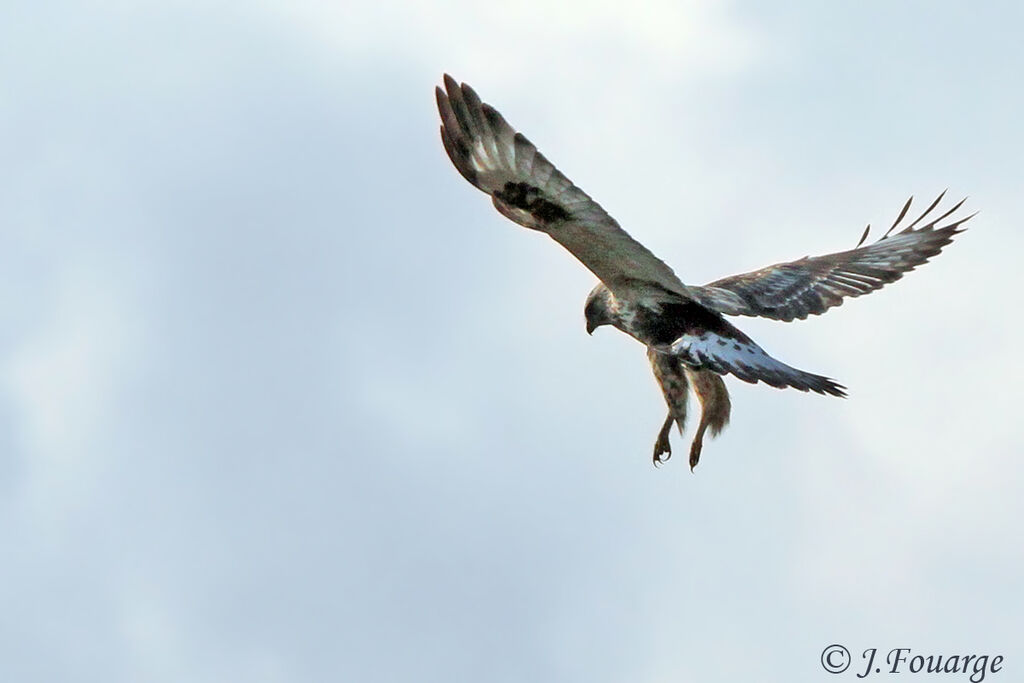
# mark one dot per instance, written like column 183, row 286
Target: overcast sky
column 283, row 399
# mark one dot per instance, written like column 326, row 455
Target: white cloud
column 521, row 40
column 345, row 442
column 63, row 380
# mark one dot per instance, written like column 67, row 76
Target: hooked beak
column 590, row 329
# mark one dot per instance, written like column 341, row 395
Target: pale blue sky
column 283, row 399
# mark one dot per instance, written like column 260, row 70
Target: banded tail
column 739, row 356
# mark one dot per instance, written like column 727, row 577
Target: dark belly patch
column 677, row 319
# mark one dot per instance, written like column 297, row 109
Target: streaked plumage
column 689, row 342
column 811, row 286
column 675, row 378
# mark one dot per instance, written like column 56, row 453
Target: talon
column 663, row 444
column 695, row 454
column 661, row 448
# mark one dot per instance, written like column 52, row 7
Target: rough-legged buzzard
column 689, row 342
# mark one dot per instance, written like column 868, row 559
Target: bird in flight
column 690, row 344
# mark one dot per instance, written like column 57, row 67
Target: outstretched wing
column 811, row 286
column 528, row 189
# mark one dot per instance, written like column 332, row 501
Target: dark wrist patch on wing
column 528, row 198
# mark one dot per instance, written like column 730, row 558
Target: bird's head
column 598, row 309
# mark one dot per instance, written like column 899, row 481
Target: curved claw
column 661, row 447
column 695, row 450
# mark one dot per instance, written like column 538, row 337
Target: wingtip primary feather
column 928, row 211
column 470, row 94
column 928, row 227
column 955, row 228
column 903, row 213
column 470, row 97
column 864, row 236
column 946, row 215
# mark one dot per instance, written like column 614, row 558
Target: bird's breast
column 656, row 327
column 662, row 325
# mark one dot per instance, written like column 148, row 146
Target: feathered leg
column 715, row 408
column 671, row 377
